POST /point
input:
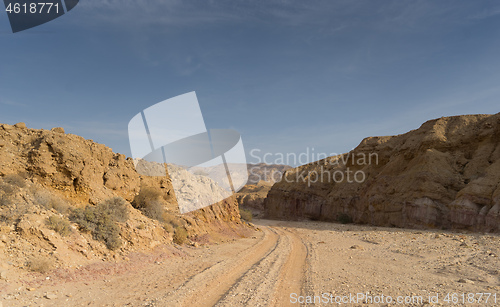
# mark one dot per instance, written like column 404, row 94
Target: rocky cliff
column 446, row 174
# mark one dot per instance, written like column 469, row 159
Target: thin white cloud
column 9, row 102
column 186, row 13
column 486, row 14
column 103, row 130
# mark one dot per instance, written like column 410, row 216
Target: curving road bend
column 264, row 274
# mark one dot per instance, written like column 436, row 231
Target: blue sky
column 288, row 75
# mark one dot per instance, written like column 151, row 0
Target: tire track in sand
column 208, row 286
column 271, row 280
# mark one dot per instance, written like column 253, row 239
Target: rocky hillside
column 67, row 199
column 446, row 174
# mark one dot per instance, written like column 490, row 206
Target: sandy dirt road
column 290, row 264
column 257, row 276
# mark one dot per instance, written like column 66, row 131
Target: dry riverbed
column 287, row 264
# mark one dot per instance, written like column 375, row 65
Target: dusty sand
column 314, row 260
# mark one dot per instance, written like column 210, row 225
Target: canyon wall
column 445, row 174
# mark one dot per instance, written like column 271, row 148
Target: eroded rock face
column 445, row 174
column 85, row 172
column 79, row 168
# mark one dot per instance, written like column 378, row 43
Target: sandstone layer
column 446, row 174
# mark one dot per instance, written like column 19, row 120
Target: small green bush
column 59, row 224
column 246, row 214
column 344, row 218
column 180, row 235
column 101, row 220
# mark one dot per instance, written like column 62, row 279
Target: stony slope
column 445, row 174
column 50, row 173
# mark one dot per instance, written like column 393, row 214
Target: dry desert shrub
column 41, row 264
column 152, row 203
column 12, row 207
column 168, row 227
column 147, row 195
column 13, row 212
column 14, row 202
column 246, row 214
column 117, row 207
column 154, row 209
column 172, row 219
column 102, row 219
column 5, row 200
column 9, row 185
column 180, row 235
column 8, row 189
column 344, row 218
column 172, row 222
column 14, row 180
column 48, row 200
column 59, row 224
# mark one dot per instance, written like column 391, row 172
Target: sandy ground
column 287, row 264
